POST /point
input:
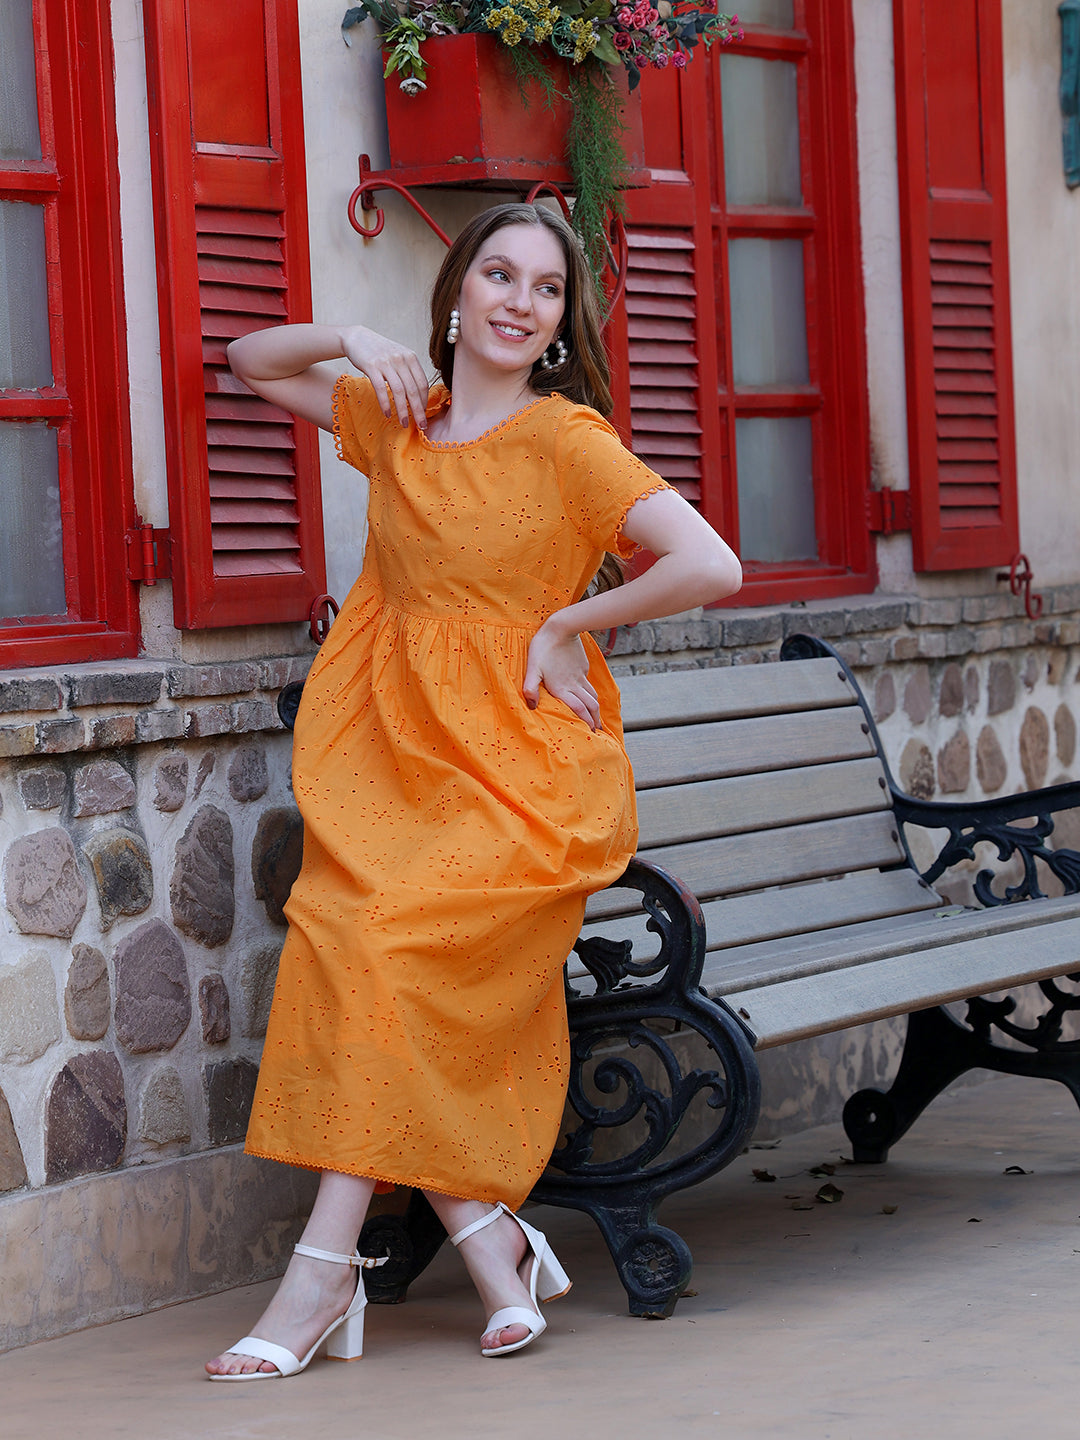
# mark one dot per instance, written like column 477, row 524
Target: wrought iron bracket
column 1021, row 577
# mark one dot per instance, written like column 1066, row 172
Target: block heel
column 546, row 1275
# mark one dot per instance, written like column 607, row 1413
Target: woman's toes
column 508, row 1335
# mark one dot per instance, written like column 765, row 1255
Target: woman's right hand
column 394, row 370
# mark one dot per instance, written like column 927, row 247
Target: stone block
column 17, row 740
column 102, row 788
column 12, row 1165
column 22, row 693
column 42, row 789
column 29, row 1013
column 1000, row 687
column 739, row 630
column 873, row 653
column 43, row 887
column 229, row 1086
column 881, row 615
column 257, row 977
column 848, row 650
column 283, row 670
column 196, row 681
column 972, row 687
column 917, row 770
column 203, row 773
column 1035, row 747
column 207, row 720
column 673, row 636
column 990, row 763
column 946, row 611
column 1068, row 632
column 214, row 1009
column 1065, row 735
column 1030, row 671
column 154, row 725
column 153, row 997
column 1064, row 598
column 903, row 647
column 826, row 624
column 87, row 1005
column 884, row 696
column 170, row 783
column 917, row 696
column 1056, row 666
column 86, row 1117
column 276, row 853
column 959, row 640
column 248, row 776
column 975, row 609
column 251, row 715
column 954, row 764
column 164, row 1118
column 951, row 693
column 116, row 687
column 202, row 888
column 987, row 638
column 111, row 732
column 59, row 737
column 932, row 644
column 633, row 640
column 122, row 873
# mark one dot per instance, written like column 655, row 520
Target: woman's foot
column 311, row 1296
column 498, row 1258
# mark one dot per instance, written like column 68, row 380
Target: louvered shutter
column 956, row 292
column 244, row 507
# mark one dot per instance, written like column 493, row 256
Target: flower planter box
column 470, row 127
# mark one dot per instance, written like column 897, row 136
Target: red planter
column 470, row 127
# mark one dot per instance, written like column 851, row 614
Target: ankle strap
column 358, row 1261
column 488, row 1219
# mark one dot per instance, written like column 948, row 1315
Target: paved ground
column 825, row 1323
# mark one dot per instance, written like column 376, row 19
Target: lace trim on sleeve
column 337, row 402
column 626, row 549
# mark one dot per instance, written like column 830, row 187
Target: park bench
column 797, row 911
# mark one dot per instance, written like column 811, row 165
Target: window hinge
column 149, row 553
column 888, row 510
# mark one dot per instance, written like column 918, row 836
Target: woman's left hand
column 559, row 663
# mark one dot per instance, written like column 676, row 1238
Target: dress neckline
column 443, row 399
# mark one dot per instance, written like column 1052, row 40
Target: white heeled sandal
column 546, row 1277
column 344, row 1339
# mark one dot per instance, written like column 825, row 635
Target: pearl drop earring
column 453, row 332
column 560, row 356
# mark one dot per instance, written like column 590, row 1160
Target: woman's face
column 513, row 298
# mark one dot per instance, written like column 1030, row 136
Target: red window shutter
column 227, row 129
column 950, row 108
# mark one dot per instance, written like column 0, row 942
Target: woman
column 458, row 761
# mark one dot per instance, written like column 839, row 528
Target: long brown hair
column 584, row 377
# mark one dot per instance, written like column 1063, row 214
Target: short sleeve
column 600, row 479
column 358, row 421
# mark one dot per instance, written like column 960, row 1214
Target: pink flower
column 680, row 60
column 622, row 40
column 658, row 32
column 660, row 60
column 624, row 15
column 652, row 15
column 641, row 21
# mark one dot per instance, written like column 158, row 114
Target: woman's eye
column 497, row 275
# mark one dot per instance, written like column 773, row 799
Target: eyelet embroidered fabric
column 418, row 1031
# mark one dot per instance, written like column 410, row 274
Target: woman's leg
column 312, row 1293
column 493, row 1257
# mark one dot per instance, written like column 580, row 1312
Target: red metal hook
column 371, row 181
column 324, row 609
column 1020, row 577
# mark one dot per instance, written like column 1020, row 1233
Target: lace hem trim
column 419, row 1182
column 628, row 548
column 490, row 434
column 337, row 404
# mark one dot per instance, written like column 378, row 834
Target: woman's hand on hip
column 394, row 370
column 558, row 662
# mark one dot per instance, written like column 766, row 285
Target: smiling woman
column 460, row 768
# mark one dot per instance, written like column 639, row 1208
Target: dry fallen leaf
column 764, row 1175
column 1015, row 1170
column 889, row 1209
column 823, row 1170
column 829, row 1194
column 974, row 1220
column 803, row 1205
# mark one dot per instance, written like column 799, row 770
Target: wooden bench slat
column 752, row 861
column 758, row 802
column 684, row 697
column 746, row 747
column 739, row 921
column 952, row 969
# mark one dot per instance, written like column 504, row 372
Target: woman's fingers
column 400, row 384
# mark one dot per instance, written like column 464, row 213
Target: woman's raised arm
column 694, row 566
column 284, row 366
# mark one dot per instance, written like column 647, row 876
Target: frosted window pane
column 768, row 312
column 25, row 359
column 778, row 13
column 761, row 131
column 31, row 553
column 776, row 489
column 20, row 138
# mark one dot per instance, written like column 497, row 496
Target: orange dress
column 418, row 1032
